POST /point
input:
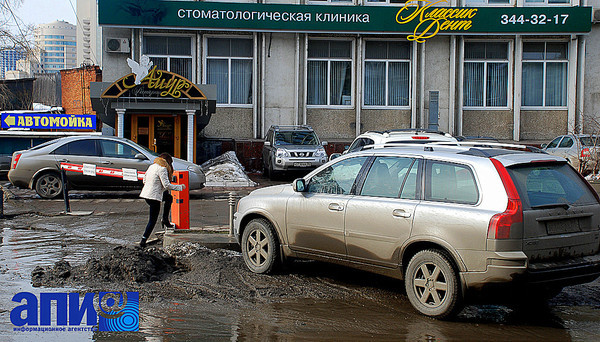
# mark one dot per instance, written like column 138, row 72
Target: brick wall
column 76, row 89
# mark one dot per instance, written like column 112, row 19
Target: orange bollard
column 180, row 210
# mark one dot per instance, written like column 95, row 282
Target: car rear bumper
column 556, row 273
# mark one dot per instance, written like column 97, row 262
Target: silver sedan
column 38, row 168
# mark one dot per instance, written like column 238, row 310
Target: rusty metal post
column 63, row 177
column 1, row 202
column 231, row 202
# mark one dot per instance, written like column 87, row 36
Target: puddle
column 372, row 312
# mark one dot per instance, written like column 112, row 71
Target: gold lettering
column 28, row 121
column 21, row 121
column 88, row 122
column 431, row 22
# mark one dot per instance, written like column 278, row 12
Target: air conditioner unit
column 596, row 16
column 117, row 45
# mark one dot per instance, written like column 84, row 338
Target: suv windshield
column 296, row 138
column 550, row 184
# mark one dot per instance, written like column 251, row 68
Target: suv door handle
column 401, row 213
column 106, row 162
column 336, row 207
column 63, row 161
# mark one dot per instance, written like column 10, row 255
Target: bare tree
column 14, row 33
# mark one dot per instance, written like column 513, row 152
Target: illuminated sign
column 418, row 20
column 158, row 83
column 48, row 121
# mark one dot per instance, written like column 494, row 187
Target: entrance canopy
column 159, row 90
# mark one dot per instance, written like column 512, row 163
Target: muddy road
column 188, row 292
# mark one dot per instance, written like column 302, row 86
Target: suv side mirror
column 299, row 185
column 267, row 143
column 140, row 156
column 324, row 143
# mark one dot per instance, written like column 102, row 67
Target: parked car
column 38, row 167
column 371, row 139
column 581, row 150
column 292, row 148
column 449, row 220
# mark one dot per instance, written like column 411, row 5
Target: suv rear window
column 550, row 184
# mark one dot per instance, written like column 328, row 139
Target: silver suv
column 448, row 220
column 292, row 148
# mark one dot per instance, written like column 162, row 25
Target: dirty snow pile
column 226, row 170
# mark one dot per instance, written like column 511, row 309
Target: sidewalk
column 120, row 216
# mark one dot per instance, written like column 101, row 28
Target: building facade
column 508, row 69
column 89, row 46
column 56, row 46
column 8, row 60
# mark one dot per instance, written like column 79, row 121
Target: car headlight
column 281, row 152
column 320, row 153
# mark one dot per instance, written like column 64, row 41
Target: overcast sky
column 46, row 11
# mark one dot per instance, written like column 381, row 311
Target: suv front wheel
column 260, row 247
column 432, row 284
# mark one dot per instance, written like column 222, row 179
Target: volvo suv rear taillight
column 15, row 160
column 499, row 227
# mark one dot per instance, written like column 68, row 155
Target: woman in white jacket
column 157, row 183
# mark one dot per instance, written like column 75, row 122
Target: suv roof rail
column 476, row 148
column 409, row 130
column 293, row 127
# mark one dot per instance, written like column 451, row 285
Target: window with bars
column 387, row 73
column 329, row 72
column 545, row 68
column 485, row 82
column 170, row 53
column 229, row 66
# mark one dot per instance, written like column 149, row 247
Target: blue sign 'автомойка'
column 48, row 121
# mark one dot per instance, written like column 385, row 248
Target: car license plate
column 301, row 164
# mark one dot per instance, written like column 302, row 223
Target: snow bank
column 226, row 170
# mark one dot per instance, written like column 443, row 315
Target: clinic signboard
column 419, row 20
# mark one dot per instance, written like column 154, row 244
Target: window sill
column 328, row 107
column 543, row 108
column 386, row 107
column 488, row 108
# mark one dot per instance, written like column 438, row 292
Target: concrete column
column 120, row 122
column 572, row 86
column 517, row 88
column 190, row 134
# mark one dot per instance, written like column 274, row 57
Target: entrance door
column 159, row 133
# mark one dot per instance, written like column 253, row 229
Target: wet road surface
column 329, row 303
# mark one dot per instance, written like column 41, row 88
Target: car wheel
column 260, row 246
column 432, row 284
column 49, row 186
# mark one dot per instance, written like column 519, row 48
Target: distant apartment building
column 88, row 46
column 8, row 60
column 57, row 46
